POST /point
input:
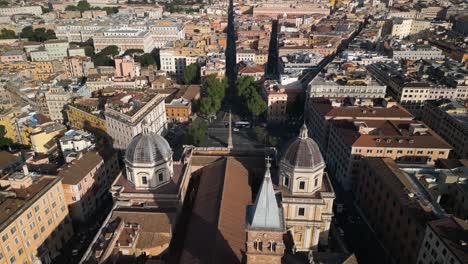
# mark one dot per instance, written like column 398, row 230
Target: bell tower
column 265, row 226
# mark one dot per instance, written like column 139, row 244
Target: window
column 35, row 236
column 301, row 211
column 16, row 241
column 286, row 181
column 144, row 180
column 29, row 215
column 316, row 182
column 20, row 251
column 13, row 230
column 257, row 245
column 160, row 177
column 8, row 248
column 12, row 259
column 301, row 185
column 42, row 229
column 25, row 232
column 5, row 237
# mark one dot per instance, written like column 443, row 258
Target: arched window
column 257, row 245
column 272, row 246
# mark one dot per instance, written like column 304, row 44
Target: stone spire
column 229, row 141
column 304, row 132
column 265, row 212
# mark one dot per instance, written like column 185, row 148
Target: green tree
column 102, row 60
column 71, row 8
column 261, row 135
column 248, row 96
column 191, row 74
column 196, row 133
column 3, row 3
column 83, row 5
column 7, row 34
column 145, row 60
column 39, row 34
column 273, row 141
column 110, row 51
column 133, row 51
column 256, row 105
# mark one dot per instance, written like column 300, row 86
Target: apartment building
column 14, row 10
column 290, row 8
column 35, row 224
column 178, row 110
column 412, row 88
column 174, row 61
column 278, row 97
column 84, row 113
column 57, row 98
column 125, row 67
column 444, row 242
column 405, row 141
column 396, row 207
column 320, row 112
column 163, row 31
column 8, row 118
column 13, row 55
column 49, row 50
column 446, row 182
column 81, row 181
column 402, row 28
column 417, row 52
column 77, row 66
column 147, row 112
column 449, row 119
column 343, row 79
column 75, row 141
column 43, row 137
column 124, row 39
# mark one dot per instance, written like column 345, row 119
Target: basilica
column 216, row 205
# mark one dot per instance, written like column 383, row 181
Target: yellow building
column 178, row 110
column 83, row 114
column 8, row 121
column 34, row 222
column 42, row 137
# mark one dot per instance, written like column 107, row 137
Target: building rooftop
column 388, row 134
column 218, row 214
column 12, row 201
column 74, row 172
column 454, row 234
column 330, row 108
column 417, row 201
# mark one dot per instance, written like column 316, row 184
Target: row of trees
column 262, row 136
column 249, row 97
column 38, row 34
column 83, row 5
column 195, row 133
column 214, row 91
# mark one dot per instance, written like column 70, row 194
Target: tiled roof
column 216, row 231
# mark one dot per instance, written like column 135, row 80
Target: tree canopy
column 248, row 95
column 145, row 59
column 38, row 34
column 196, row 133
column 133, row 51
column 7, row 34
column 191, row 74
column 214, row 92
column 111, row 50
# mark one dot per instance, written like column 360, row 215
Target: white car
column 235, row 129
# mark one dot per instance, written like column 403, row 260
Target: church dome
column 149, row 149
column 303, row 152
